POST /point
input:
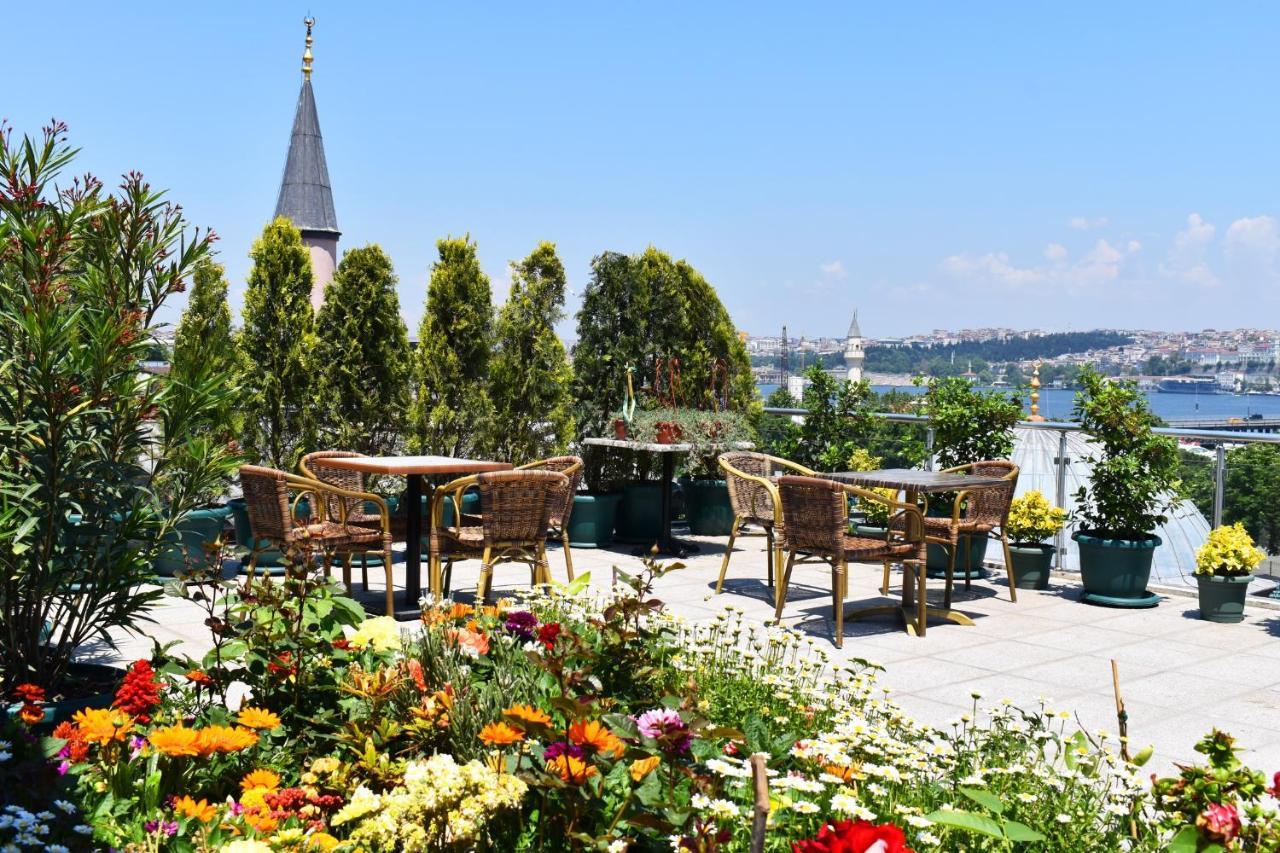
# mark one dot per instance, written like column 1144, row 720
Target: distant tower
column 853, row 352
column 305, row 194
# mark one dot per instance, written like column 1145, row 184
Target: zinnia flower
column 571, row 769
column 199, row 676
column 139, row 693
column 175, row 740
column 500, row 734
column 596, row 735
column 528, row 714
column 31, row 714
column 199, row 810
column 521, row 623
column 1220, row 822
column 666, row 725
column 258, row 718
column 103, row 725
column 547, row 634
column 29, row 693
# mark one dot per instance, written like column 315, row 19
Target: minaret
column 853, row 354
column 305, row 194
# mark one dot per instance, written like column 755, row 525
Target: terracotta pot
column 619, row 429
column 669, row 432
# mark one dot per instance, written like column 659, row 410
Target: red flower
column 850, row 837
column 29, row 693
column 1220, row 822
column 139, row 693
column 342, row 643
column 31, row 714
column 283, row 665
column 547, row 634
column 1274, row 790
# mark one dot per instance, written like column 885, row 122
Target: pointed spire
column 854, row 331
column 305, row 194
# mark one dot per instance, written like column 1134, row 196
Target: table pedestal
column 667, row 544
column 415, row 486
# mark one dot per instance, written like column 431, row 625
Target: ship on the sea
column 1188, row 385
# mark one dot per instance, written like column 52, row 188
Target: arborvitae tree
column 204, row 346
column 530, row 372
column 275, row 343
column 361, row 357
column 453, row 413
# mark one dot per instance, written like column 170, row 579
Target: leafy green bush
column 970, row 425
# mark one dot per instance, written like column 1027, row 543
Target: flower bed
column 565, row 722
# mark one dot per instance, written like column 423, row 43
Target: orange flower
column 472, row 642
column 29, row 693
column 175, row 740
column 528, row 714
column 500, row 734
column 199, row 676
column 261, row 819
column 596, row 735
column 31, row 714
column 570, row 769
column 844, row 772
column 224, row 739
column 258, row 718
column 199, row 810
column 642, row 767
column 460, row 610
column 261, row 778
column 416, row 673
column 103, row 725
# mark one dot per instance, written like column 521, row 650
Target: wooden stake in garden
column 1122, row 716
column 760, row 814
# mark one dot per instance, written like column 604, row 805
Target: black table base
column 668, row 545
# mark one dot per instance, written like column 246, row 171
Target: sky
column 1056, row 166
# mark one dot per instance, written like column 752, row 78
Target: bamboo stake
column 1122, row 716
column 760, row 816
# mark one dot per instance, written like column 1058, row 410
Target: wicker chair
column 980, row 512
column 816, row 518
column 571, row 467
column 512, row 527
column 313, row 467
column 754, row 499
column 272, row 519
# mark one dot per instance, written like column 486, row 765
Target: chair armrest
column 319, row 489
column 769, row 487
column 792, row 466
column 914, row 527
column 454, row 488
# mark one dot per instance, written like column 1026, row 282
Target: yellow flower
column 175, row 740
column 381, row 633
column 1228, row 551
column 213, row 739
column 261, row 778
column 103, row 725
column 323, row 841
column 200, row 810
column 246, row 845
column 255, row 799
column 1033, row 519
column 642, row 767
column 500, row 734
column 258, row 718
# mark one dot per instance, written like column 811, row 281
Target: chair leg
column 884, row 584
column 252, row 567
column 728, row 549
column 769, row 561
column 1008, row 568
column 391, row 584
column 447, row 585
column 837, row 595
column 346, row 573
column 326, row 562
column 486, row 577
column 781, row 592
column 544, row 567
column 364, row 571
column 951, row 574
column 568, row 553
column 968, row 562
column 922, row 599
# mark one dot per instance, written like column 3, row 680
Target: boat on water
column 1188, row 385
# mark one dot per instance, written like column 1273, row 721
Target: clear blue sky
column 943, row 165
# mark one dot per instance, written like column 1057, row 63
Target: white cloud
column 1252, row 249
column 1084, row 223
column 1187, row 257
column 834, row 269
column 1100, row 264
column 1055, row 252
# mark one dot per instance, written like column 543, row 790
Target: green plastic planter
column 1032, row 565
column 707, row 507
column 270, row 560
column 938, row 556
column 185, row 551
column 591, row 523
column 640, row 513
column 1222, row 597
column 1115, row 572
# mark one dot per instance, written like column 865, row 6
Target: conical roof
column 305, row 194
column 854, row 331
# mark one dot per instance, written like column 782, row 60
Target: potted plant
column 1223, row 566
column 1130, row 485
column 706, row 494
column 1032, row 521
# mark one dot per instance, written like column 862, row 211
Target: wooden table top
column 912, row 480
column 653, row 447
column 405, row 465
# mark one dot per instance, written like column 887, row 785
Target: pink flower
column 664, row 724
column 1274, row 790
column 1219, row 822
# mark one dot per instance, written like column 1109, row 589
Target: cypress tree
column 274, row 343
column 204, row 347
column 453, row 413
column 530, row 372
column 361, row 356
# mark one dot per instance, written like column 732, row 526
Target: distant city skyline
column 1063, row 169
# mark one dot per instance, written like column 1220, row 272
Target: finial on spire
column 306, row 54
column 1035, row 395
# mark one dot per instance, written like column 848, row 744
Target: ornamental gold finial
column 1035, row 394
column 306, row 54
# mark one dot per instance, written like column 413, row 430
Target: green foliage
column 1250, row 496
column 361, row 357
column 952, row 360
column 530, row 373
column 83, row 275
column 707, row 433
column 453, row 414
column 204, row 334
column 970, row 425
column 1134, row 472
column 275, row 344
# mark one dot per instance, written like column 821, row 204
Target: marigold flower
column 642, row 767
column 528, row 714
column 200, row 810
column 31, row 714
column 500, row 734
column 258, row 718
column 103, row 725
column 139, row 693
column 260, row 778
column 175, row 740
column 570, row 768
column 596, row 735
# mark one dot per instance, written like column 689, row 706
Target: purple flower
column 522, row 624
column 665, row 724
column 63, row 767
column 559, row 748
column 168, row 827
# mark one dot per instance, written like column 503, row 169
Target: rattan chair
column 272, row 519
column 313, row 466
column 980, row 512
column 512, row 527
column 754, row 498
column 815, row 514
column 571, row 467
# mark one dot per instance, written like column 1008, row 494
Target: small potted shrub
column 1131, row 484
column 1032, row 521
column 706, row 493
column 1223, row 566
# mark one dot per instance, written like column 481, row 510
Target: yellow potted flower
column 1223, row 566
column 1032, row 520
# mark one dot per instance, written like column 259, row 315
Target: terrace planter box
column 707, row 507
column 1115, row 572
column 185, row 551
column 1032, row 564
column 640, row 513
column 1222, row 597
column 591, row 522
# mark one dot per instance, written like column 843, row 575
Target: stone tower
column 853, row 352
column 305, row 194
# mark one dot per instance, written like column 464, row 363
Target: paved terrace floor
column 1180, row 675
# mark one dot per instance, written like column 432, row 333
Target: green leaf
column 1015, row 831
column 986, row 799
column 1185, row 841
column 968, row 821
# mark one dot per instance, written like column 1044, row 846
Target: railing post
column 1219, row 482
column 1061, row 462
column 928, row 448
